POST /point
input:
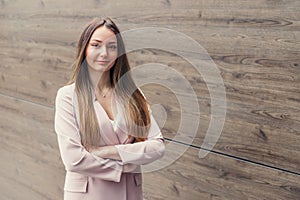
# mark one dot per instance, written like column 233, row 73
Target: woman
column 104, row 127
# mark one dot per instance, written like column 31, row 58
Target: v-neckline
column 106, row 114
column 114, row 127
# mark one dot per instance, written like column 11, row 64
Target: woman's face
column 102, row 50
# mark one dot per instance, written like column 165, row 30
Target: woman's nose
column 103, row 51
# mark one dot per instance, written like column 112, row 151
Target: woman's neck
column 100, row 80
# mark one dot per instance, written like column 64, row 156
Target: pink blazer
column 89, row 177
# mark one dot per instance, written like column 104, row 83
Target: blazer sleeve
column 74, row 156
column 145, row 152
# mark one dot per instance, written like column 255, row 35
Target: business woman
column 104, row 126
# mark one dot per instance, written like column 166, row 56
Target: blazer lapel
column 121, row 128
column 108, row 135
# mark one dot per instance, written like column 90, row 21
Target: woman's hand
column 131, row 168
column 109, row 152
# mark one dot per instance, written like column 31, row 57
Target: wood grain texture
column 261, row 113
column 217, row 177
column 255, row 44
column 30, row 160
column 32, row 166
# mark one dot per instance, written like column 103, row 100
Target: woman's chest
column 112, row 125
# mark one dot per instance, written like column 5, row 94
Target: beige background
column 256, row 47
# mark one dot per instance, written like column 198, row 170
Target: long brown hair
column 133, row 104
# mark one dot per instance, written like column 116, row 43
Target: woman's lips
column 102, row 62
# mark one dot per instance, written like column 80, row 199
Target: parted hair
column 134, row 107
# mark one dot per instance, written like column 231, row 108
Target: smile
column 102, row 62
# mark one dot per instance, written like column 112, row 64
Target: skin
column 101, row 54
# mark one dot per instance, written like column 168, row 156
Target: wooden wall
column 256, row 45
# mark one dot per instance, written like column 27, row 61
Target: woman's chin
column 100, row 68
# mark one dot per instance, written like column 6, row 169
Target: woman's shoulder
column 149, row 109
column 66, row 91
column 142, row 93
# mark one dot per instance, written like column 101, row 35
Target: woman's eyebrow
column 98, row 40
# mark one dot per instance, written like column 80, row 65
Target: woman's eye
column 113, row 47
column 95, row 45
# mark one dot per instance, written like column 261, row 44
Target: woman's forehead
column 103, row 34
